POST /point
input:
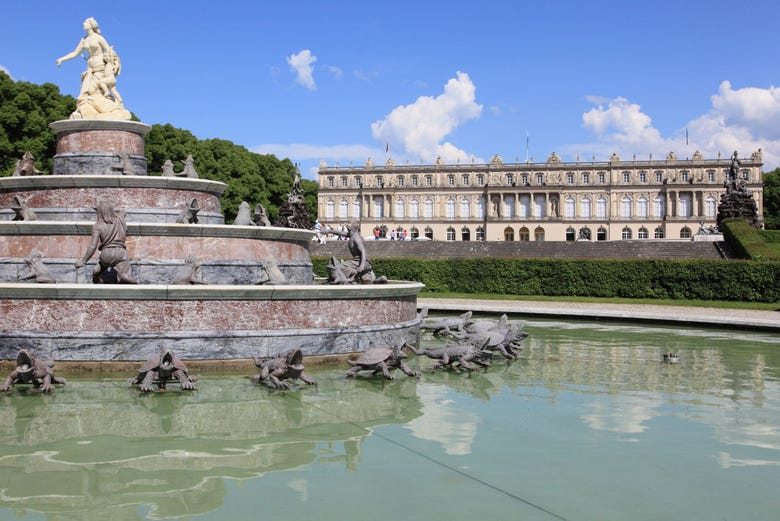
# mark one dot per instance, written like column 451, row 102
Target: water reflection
column 98, row 449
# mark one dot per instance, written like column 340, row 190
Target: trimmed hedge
column 750, row 243
column 662, row 279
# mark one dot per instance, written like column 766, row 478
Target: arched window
column 642, row 207
column 450, row 208
column 626, row 234
column 414, row 233
column 685, row 233
column 465, row 234
column 601, row 234
column 344, row 209
column 659, row 233
column 465, row 208
column 625, row 207
column 685, row 205
column 539, row 234
column 568, row 208
column 659, row 205
column 601, row 207
column 509, row 206
column 524, row 234
column 480, row 207
column 357, row 207
column 524, row 206
column 450, row 233
column 710, row 206
column 414, row 209
column 429, row 232
column 642, row 233
column 330, row 209
column 585, row 208
column 400, row 208
column 539, row 206
column 428, row 209
column 379, row 207
column 509, row 234
column 571, row 234
column 480, row 234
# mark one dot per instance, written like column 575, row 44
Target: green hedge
column 663, row 279
column 750, row 243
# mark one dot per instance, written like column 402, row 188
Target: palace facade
column 666, row 199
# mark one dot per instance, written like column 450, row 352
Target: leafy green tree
column 26, row 110
column 772, row 199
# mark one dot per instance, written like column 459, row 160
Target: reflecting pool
column 588, row 424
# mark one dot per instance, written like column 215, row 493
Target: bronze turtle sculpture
column 381, row 360
column 29, row 370
column 282, row 369
column 162, row 368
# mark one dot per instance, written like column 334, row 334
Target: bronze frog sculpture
column 161, row 369
column 29, row 370
column 282, row 369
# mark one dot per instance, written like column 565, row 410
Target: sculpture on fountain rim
column 98, row 97
column 108, row 236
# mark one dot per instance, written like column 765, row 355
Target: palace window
column 659, row 176
column 400, row 208
column 414, row 209
column 601, row 234
column 480, row 179
column 685, row 205
column 710, row 205
column 344, row 209
column 379, row 207
column 684, row 177
column 524, row 179
column 626, row 234
column 642, row 177
column 465, row 234
column 539, row 178
column 510, row 179
column 659, row 233
column 625, row 207
column 450, row 233
column 540, row 206
column 357, row 208
column 685, row 233
column 331, row 182
column 602, row 178
column 626, row 177
column 451, row 180
column 330, row 209
column 746, row 175
column 450, row 208
column 414, row 233
column 380, row 182
column 509, row 206
column 428, row 209
column 642, row 207
column 415, row 180
column 585, row 208
column 480, row 234
column 711, row 176
column 642, row 233
column 344, row 181
column 659, row 205
column 568, row 208
column 465, row 208
column 399, row 181
column 464, row 179
column 429, row 232
column 539, row 234
column 524, row 206
column 359, row 182
column 571, row 234
column 523, row 234
column 570, row 178
column 586, row 178
column 480, row 207
column 428, row 180
column 509, row 234
column 601, row 208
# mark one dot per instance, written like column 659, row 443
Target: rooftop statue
column 98, row 97
column 108, row 235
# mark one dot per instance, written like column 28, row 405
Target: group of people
column 401, row 235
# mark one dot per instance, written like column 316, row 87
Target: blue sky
column 343, row 81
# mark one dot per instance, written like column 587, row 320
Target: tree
column 772, row 199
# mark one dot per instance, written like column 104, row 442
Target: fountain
column 230, row 314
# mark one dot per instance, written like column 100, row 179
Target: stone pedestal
column 99, row 147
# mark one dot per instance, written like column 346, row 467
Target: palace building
column 668, row 199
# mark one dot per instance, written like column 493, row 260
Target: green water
column 587, row 425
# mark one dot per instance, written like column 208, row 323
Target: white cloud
column 336, row 72
column 418, row 129
column 301, row 65
column 744, row 120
